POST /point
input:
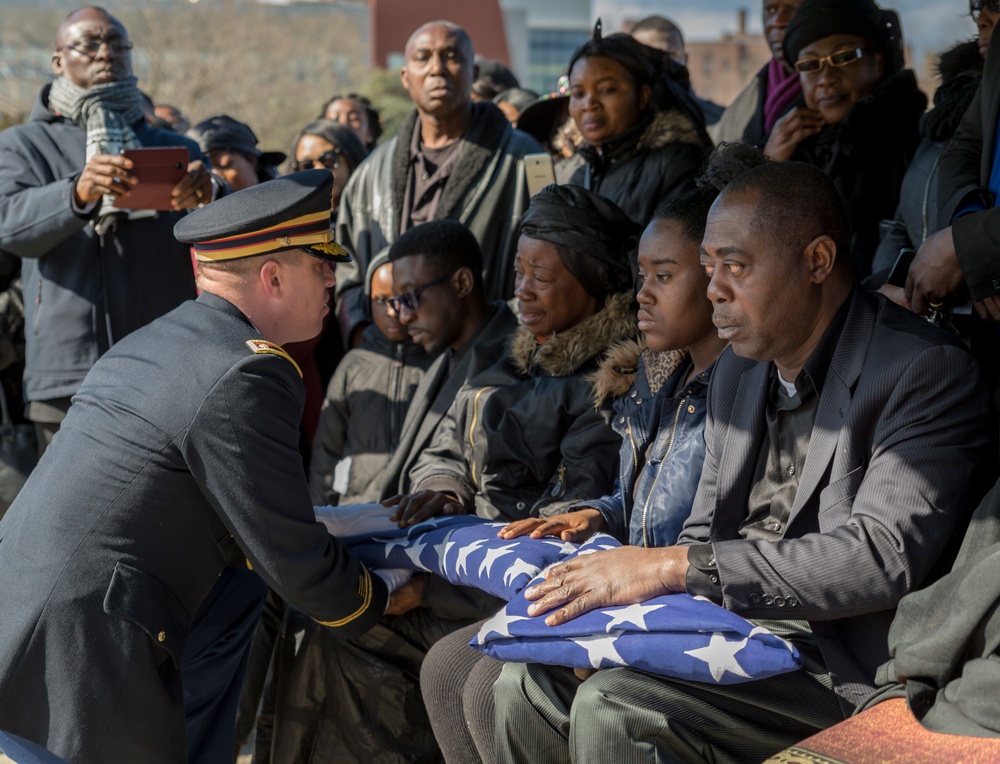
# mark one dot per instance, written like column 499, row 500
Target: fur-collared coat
column 487, row 191
column 523, row 438
column 655, row 160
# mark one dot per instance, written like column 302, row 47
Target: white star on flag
column 720, row 655
column 393, row 543
column 492, row 555
column 761, row 630
column 441, row 550
column 634, row 614
column 463, row 555
column 498, row 624
column 518, row 567
column 413, row 553
column 600, row 648
column 565, row 547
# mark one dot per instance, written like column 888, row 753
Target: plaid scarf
column 107, row 112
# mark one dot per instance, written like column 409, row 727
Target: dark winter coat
column 523, row 437
column 83, row 292
column 661, row 422
column 916, row 218
column 178, row 456
column 362, row 418
column 655, row 160
column 867, row 154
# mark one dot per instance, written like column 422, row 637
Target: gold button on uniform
column 161, row 637
column 691, row 409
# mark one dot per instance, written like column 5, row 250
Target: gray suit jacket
column 901, row 452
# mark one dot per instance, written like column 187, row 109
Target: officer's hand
column 935, row 276
column 103, row 174
column 789, row 131
column 194, row 188
column 417, row 507
column 407, row 597
column 624, row 575
column 576, row 526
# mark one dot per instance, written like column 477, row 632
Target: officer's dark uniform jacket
column 178, row 454
column 661, row 420
column 82, row 291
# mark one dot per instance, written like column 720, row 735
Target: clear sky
column 928, row 25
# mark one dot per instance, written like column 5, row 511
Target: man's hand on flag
column 417, row 507
column 622, row 576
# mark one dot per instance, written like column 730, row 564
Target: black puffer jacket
column 916, row 218
column 867, row 155
column 362, row 418
column 655, row 160
column 523, row 438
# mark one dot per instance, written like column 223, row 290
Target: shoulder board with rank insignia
column 263, row 346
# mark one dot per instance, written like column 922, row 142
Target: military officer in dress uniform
column 179, row 456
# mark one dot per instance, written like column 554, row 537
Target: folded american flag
column 674, row 635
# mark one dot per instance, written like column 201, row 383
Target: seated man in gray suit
column 847, row 442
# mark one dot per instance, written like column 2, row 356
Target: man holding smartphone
column 92, row 271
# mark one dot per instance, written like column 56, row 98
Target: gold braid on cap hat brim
column 310, row 232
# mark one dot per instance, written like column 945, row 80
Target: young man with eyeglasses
column 92, row 272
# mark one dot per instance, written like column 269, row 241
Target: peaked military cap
column 291, row 212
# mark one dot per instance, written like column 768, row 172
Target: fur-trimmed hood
column 671, row 126
column 620, row 365
column 565, row 353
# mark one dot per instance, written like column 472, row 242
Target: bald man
column 451, row 159
column 96, row 272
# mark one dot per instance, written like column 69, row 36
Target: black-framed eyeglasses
column 411, row 297
column 91, row 46
column 976, row 7
column 837, row 58
column 328, row 159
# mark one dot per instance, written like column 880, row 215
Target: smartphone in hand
column 159, row 170
column 539, row 172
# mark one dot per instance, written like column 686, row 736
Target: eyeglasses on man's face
column 328, row 159
column 411, row 297
column 812, row 64
column 978, row 6
column 91, row 46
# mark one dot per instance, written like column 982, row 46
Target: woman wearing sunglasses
column 331, row 145
column 860, row 122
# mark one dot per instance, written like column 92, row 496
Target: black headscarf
column 594, row 238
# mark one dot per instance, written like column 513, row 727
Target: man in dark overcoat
column 179, row 456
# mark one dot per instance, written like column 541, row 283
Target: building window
column 549, row 52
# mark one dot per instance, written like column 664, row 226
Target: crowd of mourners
column 757, row 345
